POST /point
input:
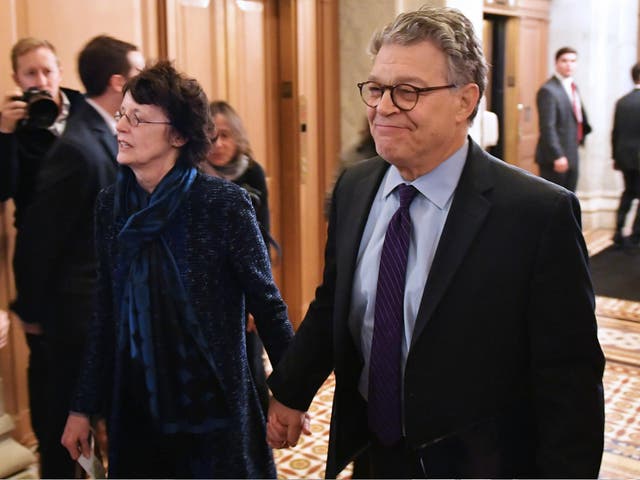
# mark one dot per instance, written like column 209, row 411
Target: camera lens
column 42, row 111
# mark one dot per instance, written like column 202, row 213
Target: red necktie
column 576, row 112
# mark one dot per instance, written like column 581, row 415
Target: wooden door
column 274, row 61
column 530, row 74
column 521, row 50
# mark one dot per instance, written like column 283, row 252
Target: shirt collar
column 439, row 184
column 108, row 118
column 566, row 81
column 61, row 120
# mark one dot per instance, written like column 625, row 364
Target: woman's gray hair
column 450, row 31
column 236, row 126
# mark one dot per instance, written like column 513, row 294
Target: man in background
column 22, row 144
column 55, row 261
column 563, row 123
column 625, row 147
column 456, row 307
column 23, row 147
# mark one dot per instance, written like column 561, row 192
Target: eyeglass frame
column 418, row 90
column 137, row 122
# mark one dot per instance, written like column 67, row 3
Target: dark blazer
column 625, row 136
column 504, row 373
column 558, row 125
column 21, row 154
column 55, row 253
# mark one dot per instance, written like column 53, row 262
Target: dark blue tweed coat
column 223, row 263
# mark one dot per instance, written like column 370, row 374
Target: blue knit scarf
column 165, row 340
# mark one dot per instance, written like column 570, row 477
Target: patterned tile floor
column 619, row 333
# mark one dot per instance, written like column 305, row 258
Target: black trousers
column 631, row 191
column 398, row 461
column 37, row 374
column 64, row 341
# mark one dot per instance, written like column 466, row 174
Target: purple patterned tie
column 384, row 364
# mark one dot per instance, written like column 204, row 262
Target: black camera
column 42, row 111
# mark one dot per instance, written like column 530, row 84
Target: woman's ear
column 177, row 140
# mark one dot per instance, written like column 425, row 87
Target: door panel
column 531, row 73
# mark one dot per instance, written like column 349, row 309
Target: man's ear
column 117, row 82
column 469, row 98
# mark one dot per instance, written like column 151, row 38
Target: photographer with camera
column 55, row 261
column 23, row 145
column 32, row 117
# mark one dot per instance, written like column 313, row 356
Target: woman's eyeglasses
column 134, row 120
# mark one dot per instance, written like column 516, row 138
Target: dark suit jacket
column 504, row 373
column 625, row 136
column 21, row 154
column 55, row 257
column 558, row 125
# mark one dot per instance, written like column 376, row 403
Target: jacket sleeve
column 63, row 188
column 548, row 122
column 566, row 360
column 310, row 358
column 91, row 394
column 9, row 165
column 252, row 267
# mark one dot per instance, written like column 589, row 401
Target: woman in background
column 231, row 158
column 179, row 255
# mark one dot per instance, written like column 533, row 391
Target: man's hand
column 12, row 111
column 30, row 328
column 75, row 437
column 285, row 424
column 561, row 165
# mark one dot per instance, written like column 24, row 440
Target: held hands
column 75, row 437
column 285, row 424
column 561, row 164
column 12, row 111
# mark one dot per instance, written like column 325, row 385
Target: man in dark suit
column 562, row 122
column 480, row 359
column 625, row 147
column 23, row 146
column 55, row 261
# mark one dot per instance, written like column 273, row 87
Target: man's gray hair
column 450, row 31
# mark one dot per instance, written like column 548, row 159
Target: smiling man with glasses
column 456, row 307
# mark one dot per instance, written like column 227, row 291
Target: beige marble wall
column 358, row 21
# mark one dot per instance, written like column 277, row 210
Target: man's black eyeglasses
column 404, row 96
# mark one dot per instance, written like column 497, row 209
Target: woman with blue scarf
column 180, row 255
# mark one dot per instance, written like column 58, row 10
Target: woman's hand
column 75, row 437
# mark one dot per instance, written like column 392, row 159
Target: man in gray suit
column 456, row 307
column 563, row 123
column 625, row 147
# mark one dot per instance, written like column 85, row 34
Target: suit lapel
column 357, row 210
column 468, row 212
column 564, row 98
column 356, row 204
